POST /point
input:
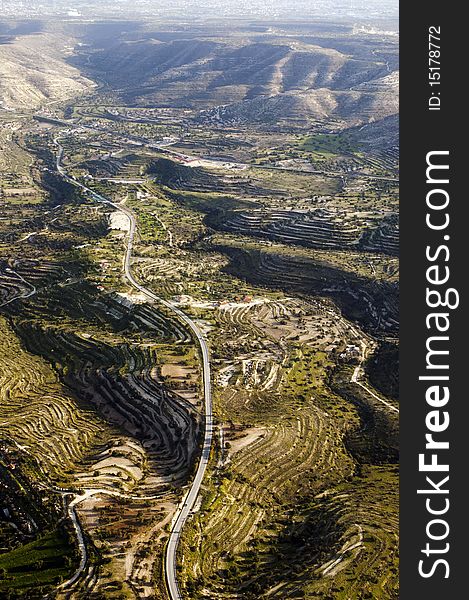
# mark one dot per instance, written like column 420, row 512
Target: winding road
column 358, row 371
column 187, row 504
column 26, row 294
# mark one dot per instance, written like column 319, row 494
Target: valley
column 199, row 288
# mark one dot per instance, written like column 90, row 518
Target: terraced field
column 142, row 442
column 305, row 457
column 12, row 286
column 54, row 432
column 371, row 302
column 95, row 420
column 261, row 166
column 289, row 512
column 285, row 391
column 319, row 228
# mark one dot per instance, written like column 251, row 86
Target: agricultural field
column 184, row 202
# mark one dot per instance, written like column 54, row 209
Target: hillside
column 241, row 77
column 28, row 83
column 199, row 293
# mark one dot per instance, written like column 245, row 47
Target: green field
column 39, row 564
column 328, row 144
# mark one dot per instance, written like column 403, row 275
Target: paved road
column 165, row 147
column 186, row 506
column 81, row 543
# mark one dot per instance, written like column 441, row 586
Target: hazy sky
column 214, row 8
